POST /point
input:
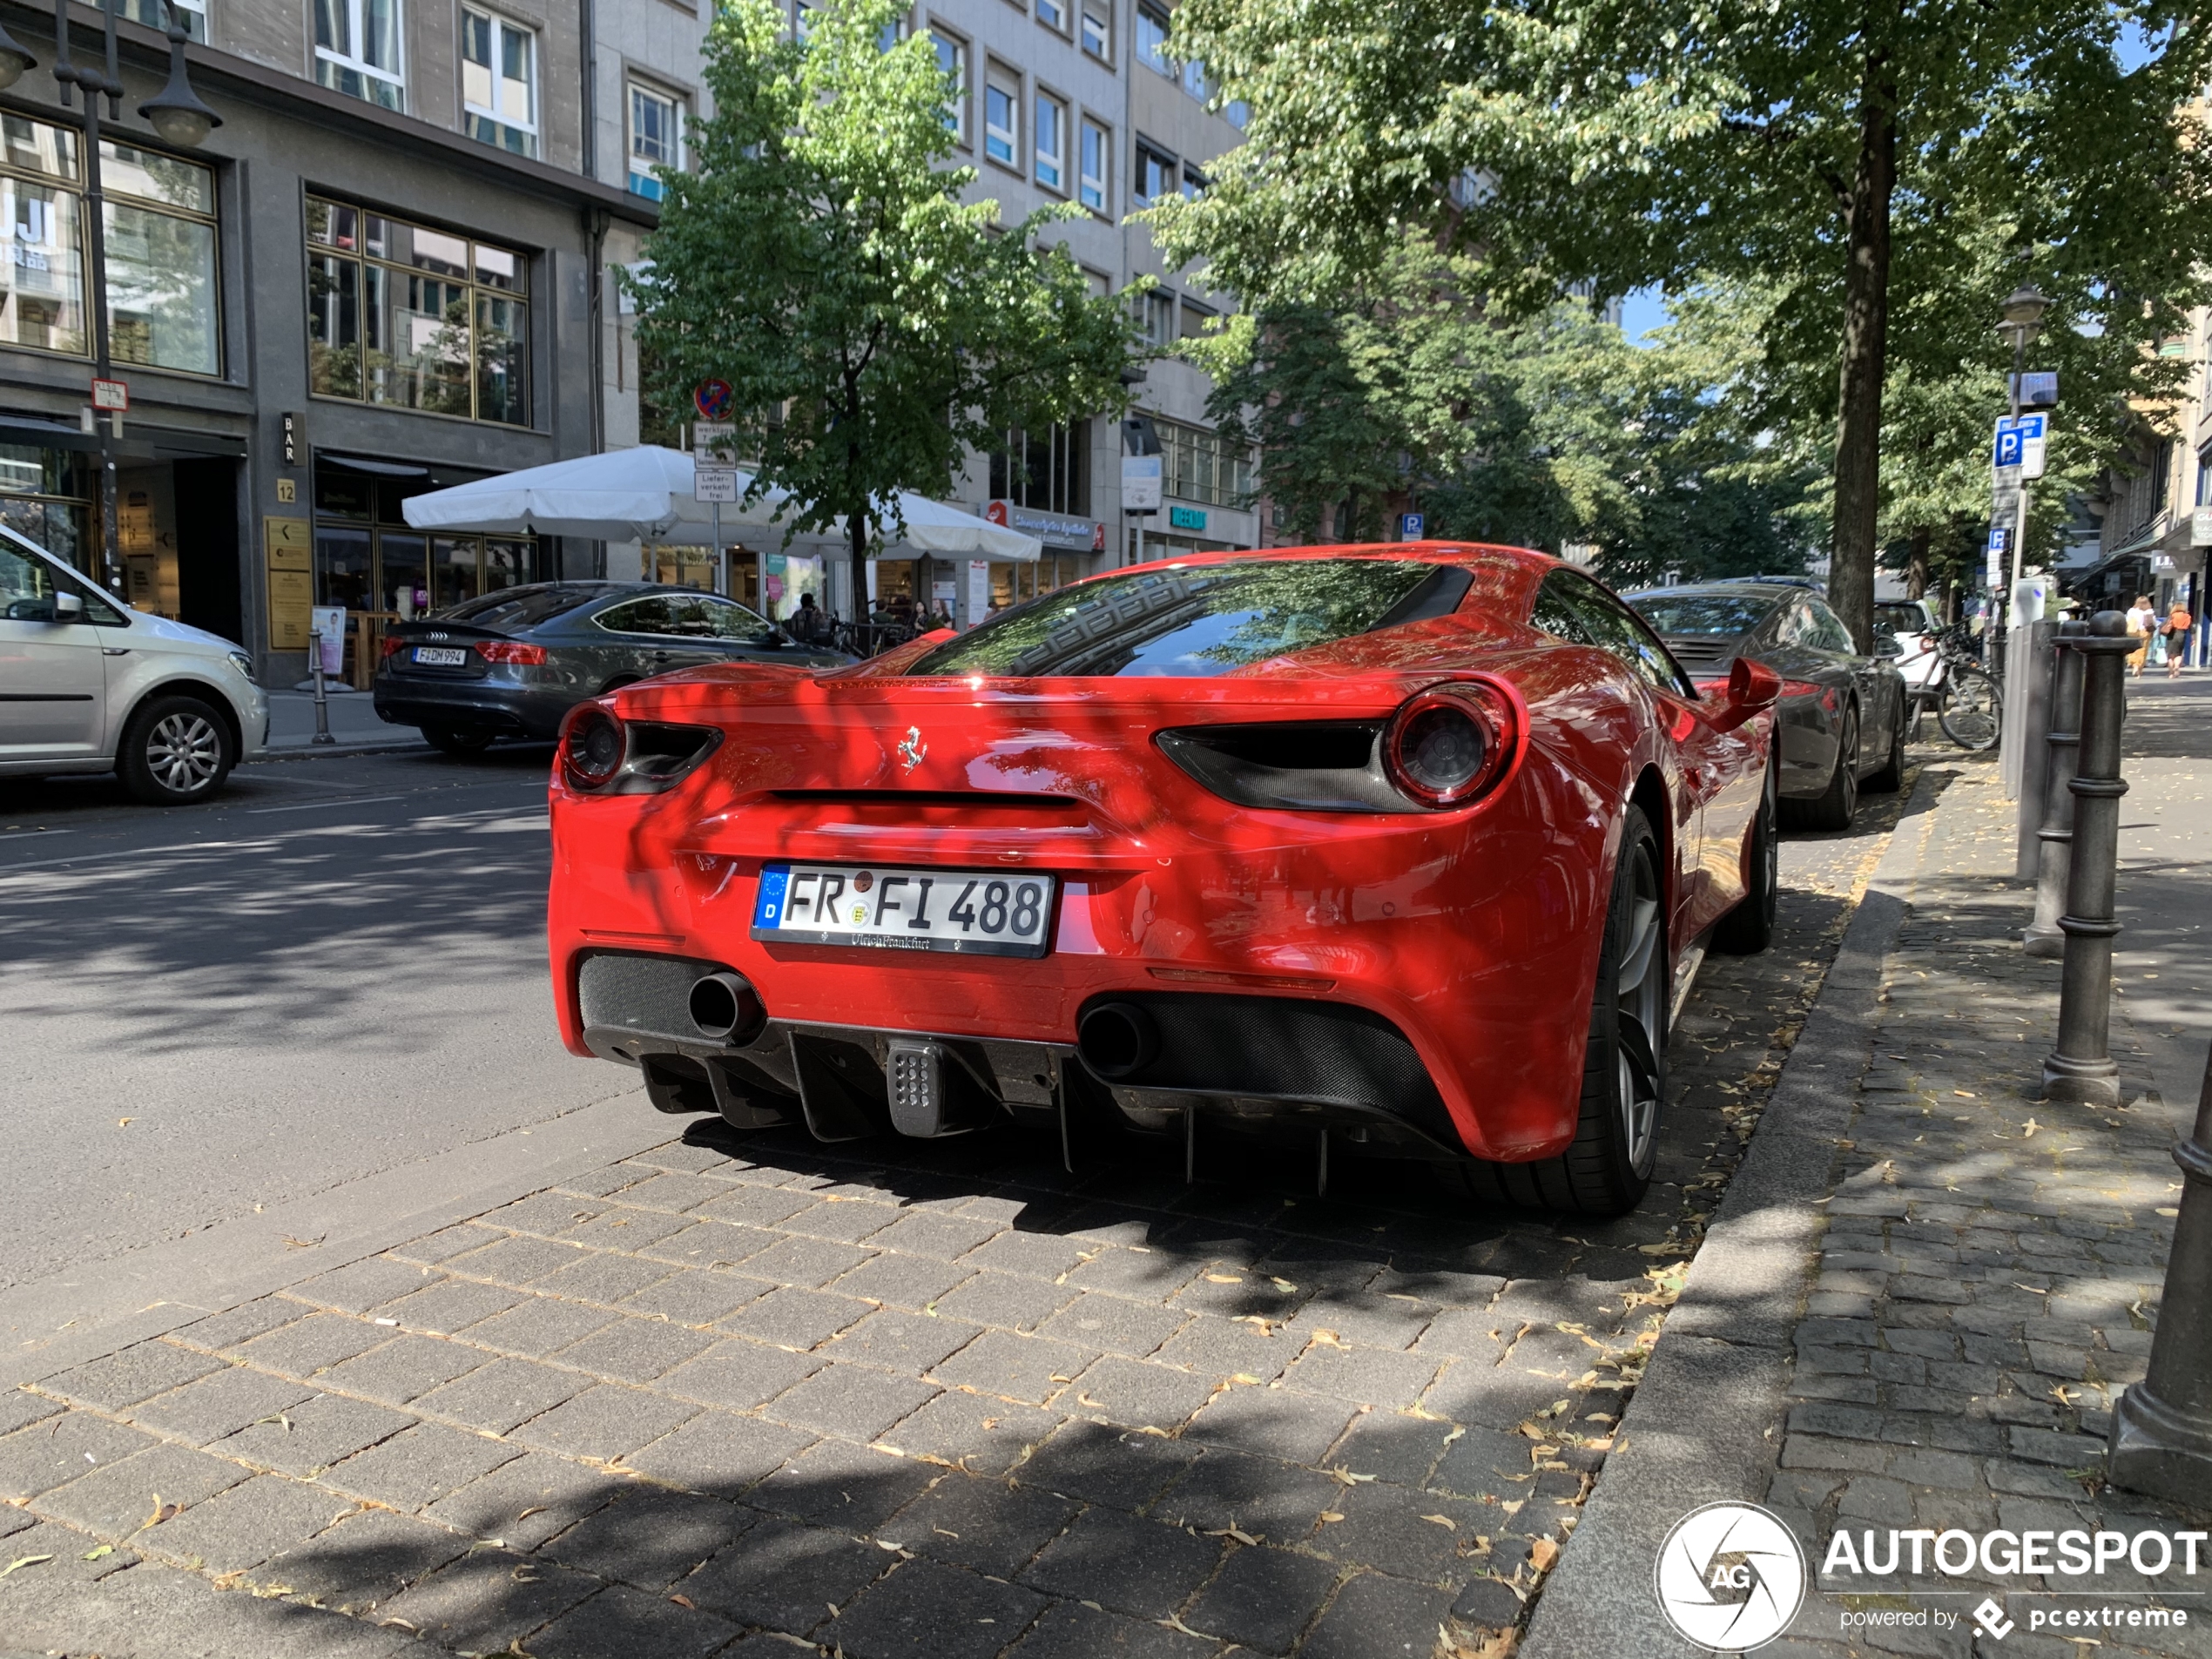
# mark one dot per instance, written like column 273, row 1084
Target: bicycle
column 1967, row 698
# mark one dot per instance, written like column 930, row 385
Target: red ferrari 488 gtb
column 1405, row 850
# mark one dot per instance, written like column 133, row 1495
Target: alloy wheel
column 185, row 752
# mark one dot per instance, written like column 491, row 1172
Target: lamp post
column 2023, row 314
column 180, row 118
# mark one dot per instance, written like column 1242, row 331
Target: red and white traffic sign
column 111, row 394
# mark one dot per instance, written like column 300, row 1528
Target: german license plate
column 441, row 656
column 990, row 913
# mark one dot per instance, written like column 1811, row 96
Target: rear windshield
column 518, row 607
column 1900, row 619
column 1196, row 623
column 1700, row 613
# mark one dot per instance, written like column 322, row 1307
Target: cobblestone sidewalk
column 1989, row 1276
column 941, row 1398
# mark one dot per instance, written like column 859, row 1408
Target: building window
column 159, row 229
column 1238, row 113
column 2204, row 477
column 192, row 13
column 415, row 317
column 1002, row 119
column 1053, row 15
column 160, row 239
column 1159, row 318
column 1097, row 153
column 1054, row 471
column 1195, row 184
column 1196, row 81
column 1052, row 143
column 1196, row 465
column 357, row 50
column 1098, row 30
column 1152, row 40
column 1156, row 173
column 499, row 82
column 656, row 139
column 1195, row 319
column 47, row 495
column 952, row 64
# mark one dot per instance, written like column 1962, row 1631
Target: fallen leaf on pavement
column 535, row 1509
column 124, row 1122
column 684, row 1601
column 290, row 1243
column 1543, row 1554
column 1283, row 1285
column 1328, row 1516
column 1241, row 1537
column 1344, row 1477
column 98, row 1554
column 162, row 1512
column 1223, row 1278
column 22, row 1561
column 1444, row 1521
column 2028, row 1129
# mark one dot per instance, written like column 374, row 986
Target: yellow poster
column 291, row 583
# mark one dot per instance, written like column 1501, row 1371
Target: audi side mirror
column 1752, row 687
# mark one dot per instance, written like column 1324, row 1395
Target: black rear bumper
column 502, row 709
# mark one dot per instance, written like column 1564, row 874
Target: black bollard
column 2054, row 838
column 2161, row 1430
column 2080, row 1068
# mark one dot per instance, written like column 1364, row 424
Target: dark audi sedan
column 512, row 664
column 1841, row 719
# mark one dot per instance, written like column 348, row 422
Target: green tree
column 1838, row 151
column 875, row 327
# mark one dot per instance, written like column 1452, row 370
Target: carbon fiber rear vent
column 1310, row 765
column 1289, row 1048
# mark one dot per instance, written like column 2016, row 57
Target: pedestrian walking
column 807, row 624
column 2140, row 617
column 2178, row 624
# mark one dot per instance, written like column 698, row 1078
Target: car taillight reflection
column 510, row 650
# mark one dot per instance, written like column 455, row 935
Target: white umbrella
column 644, row 494
column 636, row 495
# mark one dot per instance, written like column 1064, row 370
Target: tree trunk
column 1916, row 566
column 1866, row 300
column 856, row 526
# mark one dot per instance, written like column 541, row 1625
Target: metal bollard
column 323, row 705
column 2054, row 839
column 2161, row 1430
column 2080, row 1068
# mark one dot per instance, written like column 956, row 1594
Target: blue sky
column 1643, row 310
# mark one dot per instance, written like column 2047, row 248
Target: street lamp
column 2023, row 312
column 13, row 60
column 180, row 118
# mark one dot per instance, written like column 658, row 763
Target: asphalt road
column 334, row 968
column 337, row 969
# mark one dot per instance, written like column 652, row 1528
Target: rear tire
column 1970, row 714
column 1890, row 778
column 175, row 751
column 1836, row 806
column 455, row 740
column 1749, row 929
column 1608, row 1168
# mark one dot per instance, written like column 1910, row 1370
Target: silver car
column 88, row 684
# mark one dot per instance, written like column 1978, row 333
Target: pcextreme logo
column 1731, row 1577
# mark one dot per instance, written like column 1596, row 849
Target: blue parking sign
column 1411, row 526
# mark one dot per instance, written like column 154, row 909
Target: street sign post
column 714, row 400
column 2023, row 442
column 715, row 485
column 1411, row 526
column 1141, row 493
column 2000, row 542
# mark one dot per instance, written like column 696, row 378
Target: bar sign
column 292, row 430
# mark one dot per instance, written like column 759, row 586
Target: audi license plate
column 990, row 913
column 441, row 656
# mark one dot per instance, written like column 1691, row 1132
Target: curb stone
column 1720, row 1367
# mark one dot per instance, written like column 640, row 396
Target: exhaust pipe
column 1117, row 1040
column 726, row 1008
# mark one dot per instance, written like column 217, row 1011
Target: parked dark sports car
column 1842, row 718
column 513, row 664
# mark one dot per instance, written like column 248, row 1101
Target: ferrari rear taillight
column 603, row 754
column 510, row 650
column 1450, row 744
column 592, row 746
